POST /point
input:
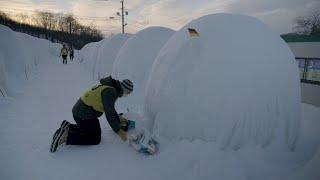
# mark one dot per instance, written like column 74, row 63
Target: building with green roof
column 303, row 46
column 307, row 52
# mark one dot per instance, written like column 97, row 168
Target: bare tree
column 42, row 19
column 308, row 25
column 77, row 27
column 54, row 27
column 22, row 18
column 3, row 17
column 71, row 21
column 62, row 23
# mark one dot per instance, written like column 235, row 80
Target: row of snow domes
column 222, row 77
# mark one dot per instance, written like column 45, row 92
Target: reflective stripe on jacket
column 93, row 97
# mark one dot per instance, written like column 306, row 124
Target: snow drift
column 89, row 55
column 20, row 54
column 309, row 171
column 98, row 57
column 235, row 84
column 135, row 59
column 10, row 48
column 107, row 54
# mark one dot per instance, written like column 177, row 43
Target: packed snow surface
column 235, row 84
column 29, row 117
column 135, row 59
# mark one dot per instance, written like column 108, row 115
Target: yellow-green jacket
column 64, row 52
column 98, row 100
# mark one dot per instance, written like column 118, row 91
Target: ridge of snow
column 19, row 56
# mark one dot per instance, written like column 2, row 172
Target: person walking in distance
column 64, row 54
column 71, row 53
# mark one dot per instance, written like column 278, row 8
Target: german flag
column 193, row 32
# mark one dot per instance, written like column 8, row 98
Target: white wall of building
column 305, row 49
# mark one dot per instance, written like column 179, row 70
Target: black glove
column 126, row 124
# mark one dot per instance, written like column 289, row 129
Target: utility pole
column 122, row 9
column 70, row 27
column 122, row 14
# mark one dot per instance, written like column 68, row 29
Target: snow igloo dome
column 236, row 83
column 135, row 59
column 107, row 54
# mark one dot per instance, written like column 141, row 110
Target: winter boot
column 63, row 125
column 60, row 137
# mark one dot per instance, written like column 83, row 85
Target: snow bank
column 98, row 57
column 135, row 59
column 88, row 55
column 235, row 84
column 20, row 54
column 309, row 171
column 40, row 51
column 10, row 48
column 107, row 54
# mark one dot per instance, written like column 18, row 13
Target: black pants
column 64, row 57
column 71, row 57
column 85, row 132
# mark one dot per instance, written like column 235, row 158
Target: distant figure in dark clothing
column 71, row 53
column 64, row 54
column 91, row 105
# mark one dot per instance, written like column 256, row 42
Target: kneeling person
column 86, row 111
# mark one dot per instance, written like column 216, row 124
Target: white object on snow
column 142, row 141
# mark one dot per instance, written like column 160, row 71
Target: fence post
column 305, row 69
column 26, row 72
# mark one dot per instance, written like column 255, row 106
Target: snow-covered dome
column 236, row 83
column 135, row 59
column 107, row 53
column 89, row 55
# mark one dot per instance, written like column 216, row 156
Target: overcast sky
column 278, row 14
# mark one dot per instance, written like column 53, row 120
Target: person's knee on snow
column 96, row 139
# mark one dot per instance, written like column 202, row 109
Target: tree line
column 305, row 29
column 58, row 28
column 308, row 25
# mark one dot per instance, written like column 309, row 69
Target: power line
column 121, row 16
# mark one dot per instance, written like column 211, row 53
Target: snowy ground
column 29, row 119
